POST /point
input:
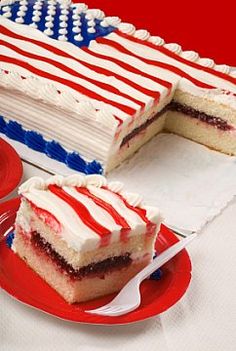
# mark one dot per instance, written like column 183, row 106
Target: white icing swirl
column 96, row 13
column 78, row 37
column 76, row 180
column 142, row 34
column 6, row 2
column 127, row 28
column 156, row 40
column 96, row 180
column 175, row 48
column 113, row 21
column 190, row 55
column 64, row 2
column 222, row 68
column 55, row 180
column 79, row 8
column 32, row 183
column 206, row 62
column 152, row 213
column 104, row 23
column 115, row 186
column 72, row 180
column 133, row 199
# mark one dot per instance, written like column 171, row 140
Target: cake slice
column 85, row 237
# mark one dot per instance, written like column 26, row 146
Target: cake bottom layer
column 73, row 290
column 201, row 132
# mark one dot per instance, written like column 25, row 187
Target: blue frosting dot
column 35, row 141
column 2, row 125
column 75, row 161
column 157, row 274
column 94, row 167
column 9, row 239
column 55, row 151
column 15, row 131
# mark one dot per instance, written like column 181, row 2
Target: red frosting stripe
column 159, row 64
column 177, row 57
column 128, row 67
column 140, row 211
column 46, row 217
column 71, row 72
column 97, row 69
column 83, row 213
column 75, row 86
column 111, row 210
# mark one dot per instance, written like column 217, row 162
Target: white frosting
column 7, row 2
column 133, row 199
column 115, row 186
column 74, row 231
column 193, row 56
column 142, row 34
column 127, row 28
column 95, row 13
column 113, row 21
column 144, row 51
column 152, row 214
column 217, row 95
column 233, row 74
column 206, row 62
column 190, row 55
column 156, row 40
column 176, row 48
column 222, row 68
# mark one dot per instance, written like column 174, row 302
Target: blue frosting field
column 87, row 37
column 52, row 148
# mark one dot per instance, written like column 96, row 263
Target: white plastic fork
column 129, row 297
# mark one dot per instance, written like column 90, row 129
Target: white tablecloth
column 203, row 320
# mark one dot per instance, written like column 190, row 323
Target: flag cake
column 89, row 90
column 84, row 236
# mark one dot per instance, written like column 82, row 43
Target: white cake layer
column 191, row 128
column 214, row 104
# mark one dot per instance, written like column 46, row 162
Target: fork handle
column 164, row 257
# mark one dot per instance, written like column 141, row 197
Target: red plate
column 10, row 168
column 23, row 284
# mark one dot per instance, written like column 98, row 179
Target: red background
column 207, row 27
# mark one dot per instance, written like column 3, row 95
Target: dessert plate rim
column 11, row 168
column 158, row 296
